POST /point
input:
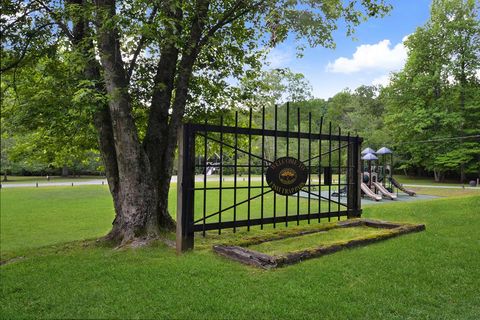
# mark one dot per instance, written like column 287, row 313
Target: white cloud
column 382, row 80
column 279, row 58
column 379, row 56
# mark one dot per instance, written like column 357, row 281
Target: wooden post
column 185, row 192
column 354, row 179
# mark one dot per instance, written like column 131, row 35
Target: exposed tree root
column 137, row 241
column 12, row 260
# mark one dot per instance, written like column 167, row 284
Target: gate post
column 354, row 177
column 185, row 192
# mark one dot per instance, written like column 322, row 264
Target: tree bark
column 101, row 118
column 138, row 173
column 127, row 166
column 155, row 142
column 137, row 194
column 162, row 132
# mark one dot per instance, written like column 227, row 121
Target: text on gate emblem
column 286, row 175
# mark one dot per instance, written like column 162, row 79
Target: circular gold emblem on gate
column 286, row 175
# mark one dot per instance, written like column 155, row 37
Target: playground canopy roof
column 368, row 150
column 384, row 150
column 369, row 156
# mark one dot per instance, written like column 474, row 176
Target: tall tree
column 145, row 56
column 435, row 96
column 367, row 116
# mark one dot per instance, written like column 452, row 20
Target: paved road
column 198, row 178
column 54, row 184
column 441, row 187
column 400, row 198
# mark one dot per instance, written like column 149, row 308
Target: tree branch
column 157, row 129
column 228, row 17
column 7, row 27
column 187, row 61
column 140, row 45
column 29, row 38
column 57, row 20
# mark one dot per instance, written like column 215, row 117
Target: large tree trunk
column 102, row 119
column 140, row 198
column 138, row 174
column 161, row 138
column 137, row 195
column 156, row 140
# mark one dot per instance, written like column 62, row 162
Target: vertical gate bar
column 330, row 167
column 205, row 155
column 235, row 175
column 288, row 125
column 349, row 178
column 288, row 142
column 185, row 189
column 358, row 177
column 309, row 160
column 249, row 164
column 320, row 169
column 348, row 172
column 298, row 156
column 354, row 196
column 339, row 169
column 275, row 158
column 263, row 163
column 220, row 176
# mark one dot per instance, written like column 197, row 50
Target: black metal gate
column 240, row 177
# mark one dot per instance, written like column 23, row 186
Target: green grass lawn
column 427, row 275
column 427, row 181
column 33, row 217
column 444, row 192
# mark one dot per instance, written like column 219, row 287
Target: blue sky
column 376, row 51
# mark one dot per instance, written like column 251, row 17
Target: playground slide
column 370, row 193
column 399, row 186
column 384, row 191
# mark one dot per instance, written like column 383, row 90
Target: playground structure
column 377, row 176
column 400, row 187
